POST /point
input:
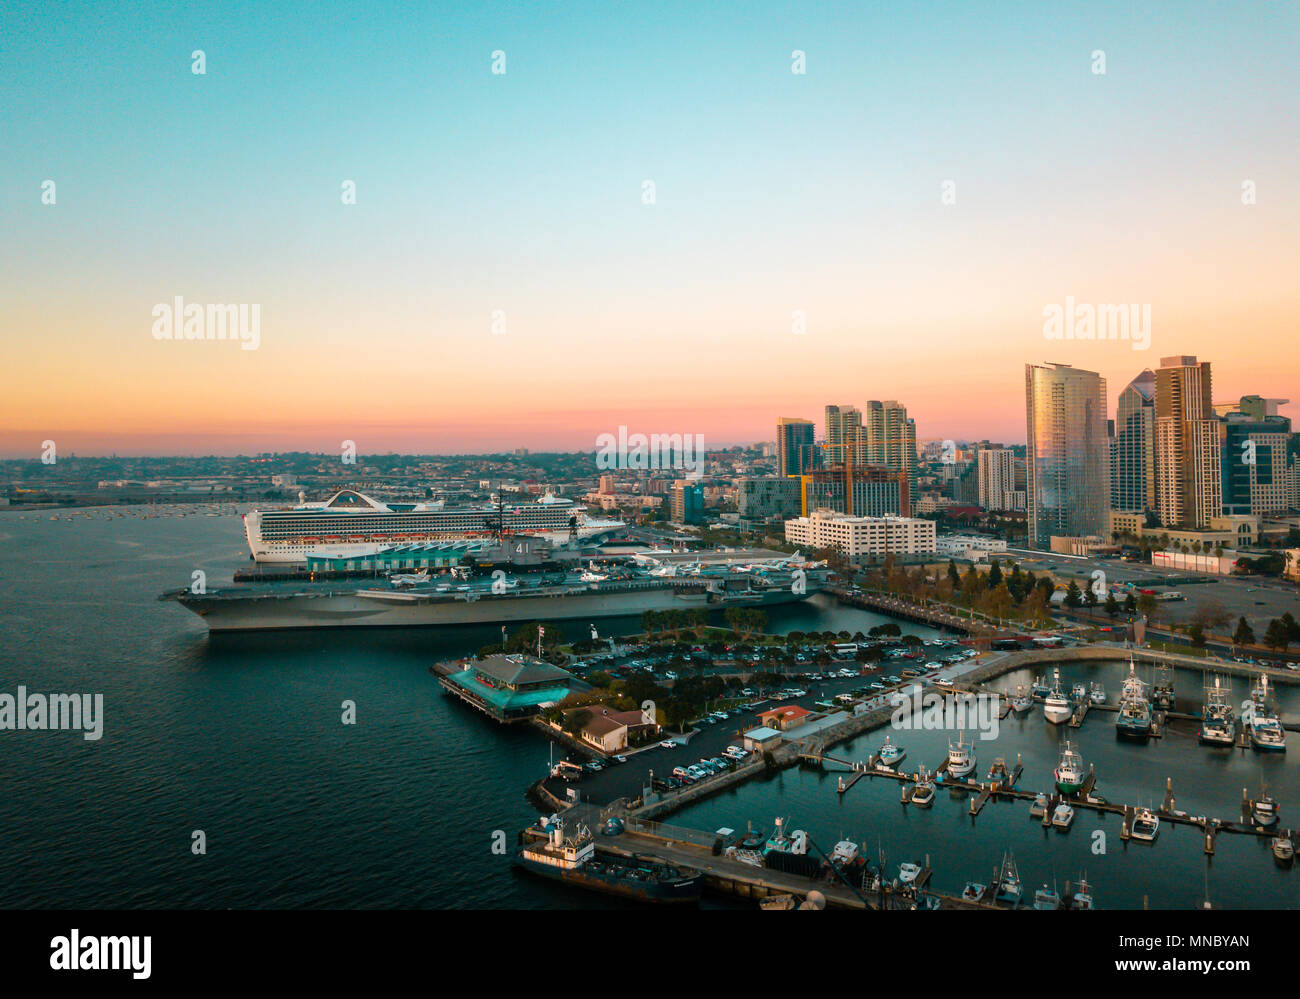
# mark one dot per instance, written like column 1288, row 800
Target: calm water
column 241, row 736
column 1172, row 872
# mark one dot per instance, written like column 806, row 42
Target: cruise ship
column 350, row 523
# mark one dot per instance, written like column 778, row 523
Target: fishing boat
column 1021, row 701
column 796, row 842
column 1040, row 688
column 1265, row 811
column 1008, row 882
column 908, row 873
column 1056, row 706
column 1078, row 693
column 998, row 772
column 973, row 892
column 1218, row 722
column 1082, row 896
column 1146, row 825
column 752, row 840
column 1266, row 731
column 923, row 790
column 573, row 858
column 1162, row 693
column 844, row 853
column 1069, row 772
column 1063, row 817
column 1134, row 719
column 1097, row 694
column 961, row 757
column 889, row 754
column 1047, row 898
column 1283, row 850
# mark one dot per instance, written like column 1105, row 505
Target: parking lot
column 710, row 738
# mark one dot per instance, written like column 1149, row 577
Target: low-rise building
column 860, row 537
column 784, row 718
column 509, row 688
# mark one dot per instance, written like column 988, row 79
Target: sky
column 889, row 224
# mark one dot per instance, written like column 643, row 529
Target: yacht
column 1056, row 706
column 1008, row 883
column 1218, row 722
column 1063, row 817
column 1266, row 731
column 1146, row 825
column 1134, row 720
column 1097, row 694
column 1022, row 701
column 891, row 755
column 1069, row 773
column 961, row 757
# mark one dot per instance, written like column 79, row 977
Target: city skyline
column 800, row 248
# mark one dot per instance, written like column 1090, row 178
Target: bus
column 846, row 651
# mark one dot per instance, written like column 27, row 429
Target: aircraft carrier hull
column 379, row 608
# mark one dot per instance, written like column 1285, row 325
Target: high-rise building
column 1067, row 453
column 1133, row 468
column 996, row 477
column 1253, row 460
column 794, row 445
column 843, row 431
column 1188, row 477
column 688, row 502
column 761, row 499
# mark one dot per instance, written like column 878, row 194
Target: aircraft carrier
column 461, row 597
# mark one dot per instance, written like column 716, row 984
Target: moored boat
column 1146, row 825
column 1266, row 731
column 1063, row 816
column 1047, row 898
column 573, row 859
column 1008, row 887
column 1056, row 706
column 961, row 757
column 1162, row 693
column 923, row 790
column 1134, row 719
column 1097, row 694
column 1069, row 772
column 889, row 754
column 1218, row 722
column 1021, row 701
column 1283, row 850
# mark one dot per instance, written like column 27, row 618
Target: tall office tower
column 997, row 478
column 843, row 431
column 1067, row 453
column 794, row 444
column 889, row 438
column 1254, row 463
column 687, row 502
column 1133, row 472
column 1189, row 485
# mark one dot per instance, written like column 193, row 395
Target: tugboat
column 1069, row 773
column 1146, row 825
column 891, row 755
column 573, row 859
column 1218, row 722
column 1162, row 694
column 1022, row 701
column 961, row 757
column 923, row 790
column 1008, row 883
column 1266, row 731
column 1056, row 706
column 1134, row 719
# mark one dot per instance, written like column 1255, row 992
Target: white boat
column 1097, row 694
column 891, row 755
column 1146, row 825
column 1266, row 731
column 1063, row 817
column 1078, row 692
column 907, row 873
column 1283, row 850
column 1047, row 898
column 973, row 892
column 961, row 757
column 1021, row 701
column 1039, row 808
column 923, row 790
column 1265, row 811
column 845, row 852
column 1069, row 773
column 1218, row 721
column 1056, row 706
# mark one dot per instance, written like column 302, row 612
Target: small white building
column 863, row 536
